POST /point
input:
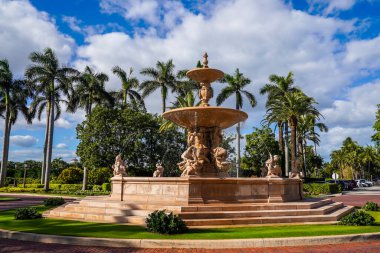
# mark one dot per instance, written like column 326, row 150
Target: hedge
column 323, row 188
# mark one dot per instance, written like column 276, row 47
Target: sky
column 332, row 46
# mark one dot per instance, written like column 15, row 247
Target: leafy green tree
column 132, row 133
column 99, row 176
column 236, row 84
column 128, row 83
column 71, row 175
column 13, row 99
column 376, row 128
column 162, row 77
column 50, row 83
column 57, row 166
column 259, row 144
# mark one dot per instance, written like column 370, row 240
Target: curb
column 200, row 244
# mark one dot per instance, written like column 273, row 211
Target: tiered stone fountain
column 204, row 195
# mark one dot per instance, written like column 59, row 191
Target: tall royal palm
column 88, row 92
column 236, row 84
column 163, row 78
column 291, row 107
column 50, row 82
column 128, row 84
column 13, row 99
column 276, row 89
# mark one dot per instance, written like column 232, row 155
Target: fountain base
column 199, row 190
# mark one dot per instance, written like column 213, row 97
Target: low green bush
column 27, row 213
column 70, row 175
column 324, row 188
column 163, row 223
column 371, row 206
column 66, row 187
column 19, row 190
column 358, row 218
column 97, row 188
column 106, row 187
column 30, row 186
column 54, row 201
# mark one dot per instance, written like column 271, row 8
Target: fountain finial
column 205, row 60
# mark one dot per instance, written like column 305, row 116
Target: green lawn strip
column 8, row 199
column 103, row 230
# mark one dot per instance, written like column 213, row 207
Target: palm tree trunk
column 280, row 137
column 49, row 146
column 4, row 161
column 304, row 156
column 84, row 185
column 238, row 149
column 163, row 101
column 43, row 169
column 301, row 154
column 293, row 142
column 286, row 147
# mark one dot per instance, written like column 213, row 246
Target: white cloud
column 331, row 6
column 77, row 26
column 364, row 53
column 36, row 154
column 24, row 30
column 23, row 140
column 61, row 145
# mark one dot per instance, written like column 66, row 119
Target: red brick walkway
column 13, row 246
column 357, row 200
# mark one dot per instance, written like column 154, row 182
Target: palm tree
column 127, row 84
column 13, row 99
column 291, row 107
column 50, row 82
column 89, row 91
column 162, row 78
column 236, row 83
column 276, row 89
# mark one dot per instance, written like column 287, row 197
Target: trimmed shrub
column 54, row 201
column 96, row 188
column 106, row 187
column 66, row 187
column 70, row 175
column 359, row 218
column 27, row 213
column 99, row 175
column 161, row 222
column 371, row 206
column 316, row 189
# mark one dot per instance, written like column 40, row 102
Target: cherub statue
column 220, row 156
column 119, row 168
column 274, row 170
column 295, row 171
column 159, row 172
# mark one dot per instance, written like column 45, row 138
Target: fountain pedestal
column 185, row 191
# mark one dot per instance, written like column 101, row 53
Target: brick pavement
column 357, row 200
column 13, row 246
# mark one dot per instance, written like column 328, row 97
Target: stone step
column 106, row 210
column 270, row 220
column 254, row 207
column 261, row 213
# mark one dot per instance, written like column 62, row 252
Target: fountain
column 204, row 195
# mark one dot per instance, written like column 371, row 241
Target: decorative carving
column 221, row 163
column 119, row 168
column 205, row 60
column 274, row 170
column 159, row 172
column 205, row 93
column 295, row 173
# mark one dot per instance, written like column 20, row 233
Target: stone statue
column 119, row 168
column 274, row 170
column 264, row 171
column 220, row 157
column 159, row 172
column 295, row 173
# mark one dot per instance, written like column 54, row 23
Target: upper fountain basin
column 205, row 75
column 210, row 116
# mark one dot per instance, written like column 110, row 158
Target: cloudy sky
column 332, row 46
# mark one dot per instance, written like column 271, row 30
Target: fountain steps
column 104, row 210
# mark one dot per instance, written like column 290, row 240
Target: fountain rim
column 241, row 114
column 209, row 75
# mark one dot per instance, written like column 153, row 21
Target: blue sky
column 333, row 47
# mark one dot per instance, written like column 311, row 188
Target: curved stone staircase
column 103, row 209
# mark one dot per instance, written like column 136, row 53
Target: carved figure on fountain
column 159, row 172
column 274, row 170
column 295, row 173
column 119, row 168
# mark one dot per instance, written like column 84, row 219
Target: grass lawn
column 8, row 199
column 102, row 230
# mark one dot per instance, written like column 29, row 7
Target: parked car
column 352, row 184
column 361, row 183
column 369, row 183
column 344, row 185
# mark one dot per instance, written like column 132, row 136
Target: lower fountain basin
column 210, row 116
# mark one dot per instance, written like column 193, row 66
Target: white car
column 369, row 183
column 361, row 183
